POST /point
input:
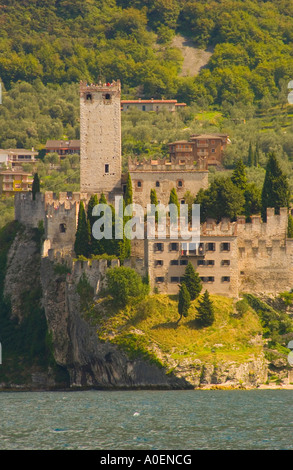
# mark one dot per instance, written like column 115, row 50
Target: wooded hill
column 61, row 41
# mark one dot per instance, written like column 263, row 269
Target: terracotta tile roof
column 147, row 101
column 62, row 144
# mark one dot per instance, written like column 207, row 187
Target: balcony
column 192, row 249
column 202, row 145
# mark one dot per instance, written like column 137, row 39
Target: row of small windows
column 200, row 262
column 158, row 184
column 178, row 279
column 174, row 246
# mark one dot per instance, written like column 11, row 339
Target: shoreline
column 210, row 387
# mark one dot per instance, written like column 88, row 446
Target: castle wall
column 100, row 138
column 61, row 224
column 28, row 211
column 217, row 267
column 163, row 181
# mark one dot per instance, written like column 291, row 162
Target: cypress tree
column 82, row 236
column 128, row 192
column 192, row 281
column 275, row 191
column 183, row 302
column 35, row 185
column 250, row 157
column 174, row 200
column 94, row 244
column 205, row 311
column 103, row 199
column 154, row 200
column 256, row 155
column 290, row 226
column 239, row 175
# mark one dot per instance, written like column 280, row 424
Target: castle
column 232, row 257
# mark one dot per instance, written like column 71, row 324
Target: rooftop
column 62, row 144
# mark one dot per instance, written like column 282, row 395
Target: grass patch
column 153, row 322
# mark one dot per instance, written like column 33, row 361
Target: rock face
column 75, row 344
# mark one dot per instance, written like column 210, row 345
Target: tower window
column 107, row 168
column 62, row 228
column 89, row 97
column 107, row 96
column 157, row 184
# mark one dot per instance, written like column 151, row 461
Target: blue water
column 147, row 420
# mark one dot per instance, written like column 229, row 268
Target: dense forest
column 48, row 46
column 62, row 41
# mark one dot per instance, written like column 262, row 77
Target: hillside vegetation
column 62, row 41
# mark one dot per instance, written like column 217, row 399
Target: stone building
column 205, row 149
column 100, row 139
column 151, row 105
column 63, row 147
column 163, row 175
column 230, row 257
column 15, row 180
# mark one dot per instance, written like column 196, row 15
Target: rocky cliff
column 73, row 346
column 73, row 341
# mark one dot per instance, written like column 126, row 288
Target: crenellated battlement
column 163, row 164
column 93, row 269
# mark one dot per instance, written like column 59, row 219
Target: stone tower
column 100, row 139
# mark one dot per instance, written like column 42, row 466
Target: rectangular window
column 213, row 150
column 183, row 262
column 159, row 262
column 225, row 246
column 107, row 168
column 210, row 246
column 210, row 262
column 175, row 279
column 173, row 246
column 225, row 262
column 160, row 279
column 225, row 279
column 200, row 262
column 208, row 279
column 174, row 262
column 158, row 246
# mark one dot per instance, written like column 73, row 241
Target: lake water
column 147, row 420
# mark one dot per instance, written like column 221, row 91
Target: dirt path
column 194, row 58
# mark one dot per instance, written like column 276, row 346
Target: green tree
column 290, row 227
column 154, row 200
column 252, row 196
column 250, row 157
column 205, row 311
column 183, row 302
column 35, row 185
column 125, row 285
column 221, row 199
column 192, row 281
column 275, row 191
column 82, row 236
column 128, row 191
column 174, row 200
column 239, row 175
column 256, row 155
